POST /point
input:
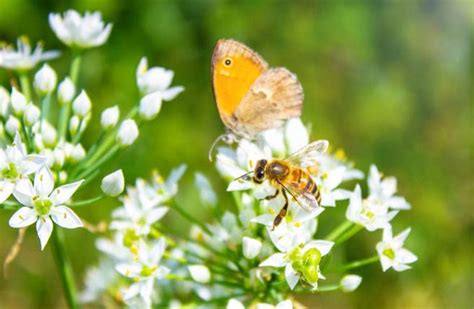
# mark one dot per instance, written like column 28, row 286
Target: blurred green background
column 391, row 82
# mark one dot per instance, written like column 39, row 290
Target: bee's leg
column 271, row 197
column 282, row 212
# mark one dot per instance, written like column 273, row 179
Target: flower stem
column 25, row 85
column 86, row 202
column 328, row 288
column 349, row 233
column 75, row 66
column 64, row 268
column 338, row 231
column 45, row 109
column 360, row 263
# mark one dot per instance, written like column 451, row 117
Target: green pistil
column 42, row 207
column 389, row 253
column 10, row 172
column 147, row 271
column 306, row 264
column 130, row 238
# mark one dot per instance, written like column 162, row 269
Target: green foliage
column 390, row 82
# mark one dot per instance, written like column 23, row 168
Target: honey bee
column 290, row 176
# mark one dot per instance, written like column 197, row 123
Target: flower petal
column 44, row 182
column 44, row 228
column 23, row 217
column 24, row 192
column 323, row 246
column 275, row 260
column 129, row 270
column 63, row 193
column 291, row 276
column 171, row 93
column 286, row 304
column 65, row 217
column 6, row 189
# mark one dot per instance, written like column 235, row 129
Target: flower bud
column 62, row 176
column 66, row 91
column 113, row 184
column 18, row 102
column 81, row 105
column 234, row 304
column 12, row 125
column 49, row 135
column 251, row 247
column 74, row 125
column 200, row 273
column 150, row 106
column 109, row 117
column 45, row 80
column 32, row 115
column 59, row 156
column 127, row 133
column 77, row 153
column 350, row 283
column 4, row 102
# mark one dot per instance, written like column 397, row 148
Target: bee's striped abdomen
column 306, row 183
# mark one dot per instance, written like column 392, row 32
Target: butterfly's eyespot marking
column 227, row 62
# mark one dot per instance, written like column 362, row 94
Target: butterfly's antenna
column 226, row 138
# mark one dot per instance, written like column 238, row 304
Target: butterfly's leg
column 282, row 212
column 271, row 197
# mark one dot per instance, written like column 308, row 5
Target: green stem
column 328, row 288
column 45, row 109
column 66, row 108
column 189, row 217
column 90, row 170
column 338, row 231
column 348, row 234
column 86, row 202
column 360, row 263
column 65, row 269
column 10, row 205
column 75, row 66
column 25, row 85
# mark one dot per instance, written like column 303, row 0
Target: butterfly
column 250, row 96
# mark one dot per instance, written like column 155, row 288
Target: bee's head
column 259, row 171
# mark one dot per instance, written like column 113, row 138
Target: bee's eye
column 228, row 62
column 260, row 173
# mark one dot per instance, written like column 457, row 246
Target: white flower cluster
column 136, row 248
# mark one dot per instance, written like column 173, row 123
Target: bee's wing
column 303, row 198
column 307, row 155
column 275, row 96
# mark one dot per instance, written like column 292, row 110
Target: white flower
column 382, row 191
column 156, row 80
column 81, row 105
column 45, row 80
column 77, row 153
column 301, row 262
column 328, row 184
column 16, row 164
column 4, row 101
column 391, row 251
column 97, row 280
column 46, row 134
column 24, row 58
column 59, row 156
column 150, row 106
column 251, row 247
column 32, row 115
column 127, row 133
column 372, row 216
column 12, row 125
column 206, row 193
column 18, row 102
column 200, row 273
column 144, row 272
column 113, row 184
column 234, row 304
column 350, row 283
column 79, row 31
column 140, row 210
column 286, row 304
column 42, row 204
column 110, row 117
column 74, row 123
column 66, row 91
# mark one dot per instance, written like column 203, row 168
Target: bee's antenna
column 244, row 176
column 227, row 138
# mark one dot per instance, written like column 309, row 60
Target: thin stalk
column 189, row 217
column 64, row 268
column 112, row 152
column 45, row 110
column 86, row 202
column 9, row 205
column 348, row 234
column 25, row 85
column 360, row 263
column 29, row 142
column 328, row 288
column 65, row 112
column 338, row 231
column 75, row 67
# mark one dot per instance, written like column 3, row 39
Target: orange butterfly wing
column 235, row 68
